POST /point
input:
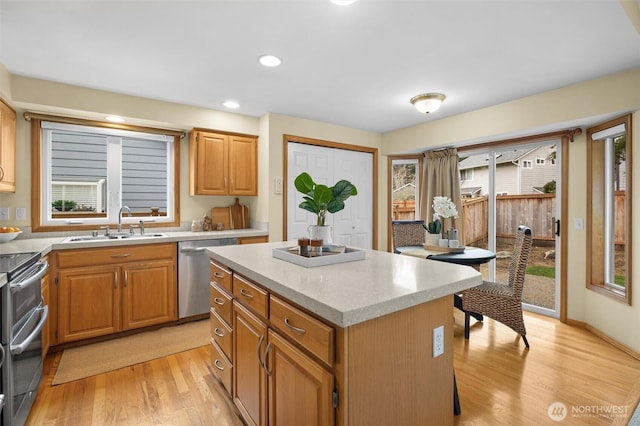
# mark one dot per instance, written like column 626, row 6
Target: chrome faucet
column 120, row 217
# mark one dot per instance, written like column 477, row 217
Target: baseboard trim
column 624, row 348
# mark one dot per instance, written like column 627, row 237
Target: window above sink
column 87, row 170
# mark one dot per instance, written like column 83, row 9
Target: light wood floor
column 499, row 382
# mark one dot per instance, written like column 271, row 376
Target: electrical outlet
column 438, row 341
column 4, row 213
column 21, row 213
column 578, row 223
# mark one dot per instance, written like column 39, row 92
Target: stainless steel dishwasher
column 193, row 275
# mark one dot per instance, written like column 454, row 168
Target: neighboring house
column 520, row 171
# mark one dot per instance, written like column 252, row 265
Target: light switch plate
column 4, row 213
column 21, row 213
column 278, row 186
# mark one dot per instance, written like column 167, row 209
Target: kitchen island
column 345, row 344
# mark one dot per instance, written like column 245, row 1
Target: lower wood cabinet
column 95, row 299
column 290, row 369
column 274, row 381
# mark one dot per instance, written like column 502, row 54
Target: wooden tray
column 444, row 249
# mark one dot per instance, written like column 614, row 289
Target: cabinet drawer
column 221, row 276
column 114, row 255
column 250, row 295
column 221, row 333
column 312, row 334
column 221, row 303
column 221, row 366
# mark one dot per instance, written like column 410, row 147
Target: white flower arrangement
column 444, row 208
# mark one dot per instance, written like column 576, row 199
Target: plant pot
column 321, row 232
column 431, row 239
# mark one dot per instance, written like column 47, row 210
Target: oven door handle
column 18, row 349
column 44, row 267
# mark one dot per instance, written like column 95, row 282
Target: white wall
column 565, row 108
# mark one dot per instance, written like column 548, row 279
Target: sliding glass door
column 508, row 186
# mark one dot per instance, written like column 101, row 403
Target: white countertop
column 45, row 245
column 349, row 293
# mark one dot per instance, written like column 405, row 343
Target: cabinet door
column 149, row 294
column 88, row 302
column 210, row 164
column 243, row 165
column 7, row 148
column 293, row 374
column 249, row 377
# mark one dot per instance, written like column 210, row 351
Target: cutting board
column 239, row 215
column 236, row 216
column 221, row 215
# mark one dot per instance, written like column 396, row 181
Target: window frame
column 390, row 160
column 468, row 173
column 599, row 212
column 39, row 224
column 527, row 164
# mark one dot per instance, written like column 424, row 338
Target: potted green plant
column 322, row 199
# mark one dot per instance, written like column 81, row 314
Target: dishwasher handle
column 192, row 249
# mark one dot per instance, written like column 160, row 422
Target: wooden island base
column 385, row 371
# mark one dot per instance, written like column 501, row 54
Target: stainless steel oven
column 21, row 321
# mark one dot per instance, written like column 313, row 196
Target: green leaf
column 309, row 206
column 323, row 194
column 304, row 183
column 343, row 190
column 335, row 206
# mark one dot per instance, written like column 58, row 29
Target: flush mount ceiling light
column 114, row 118
column 428, row 102
column 231, row 104
column 269, row 60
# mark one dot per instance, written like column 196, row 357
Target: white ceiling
column 356, row 66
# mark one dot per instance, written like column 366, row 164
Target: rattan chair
column 502, row 302
column 407, row 234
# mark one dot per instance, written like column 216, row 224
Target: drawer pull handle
column 218, row 301
column 245, row 294
column 293, row 327
column 266, row 359
column 218, row 275
column 218, row 332
column 260, row 340
column 120, row 256
column 219, row 365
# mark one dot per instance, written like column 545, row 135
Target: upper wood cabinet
column 7, row 148
column 222, row 163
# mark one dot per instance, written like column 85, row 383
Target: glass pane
column 78, row 174
column 144, row 176
column 619, row 216
column 404, row 189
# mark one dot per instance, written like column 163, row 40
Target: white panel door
column 352, row 226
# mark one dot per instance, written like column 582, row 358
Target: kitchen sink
column 112, row 237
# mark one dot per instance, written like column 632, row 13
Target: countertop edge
column 48, row 244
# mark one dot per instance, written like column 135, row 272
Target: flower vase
column 431, row 239
column 321, row 232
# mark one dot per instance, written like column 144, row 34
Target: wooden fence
column 536, row 211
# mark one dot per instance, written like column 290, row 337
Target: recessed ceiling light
column 114, row 118
column 269, row 60
column 231, row 104
column 343, row 2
